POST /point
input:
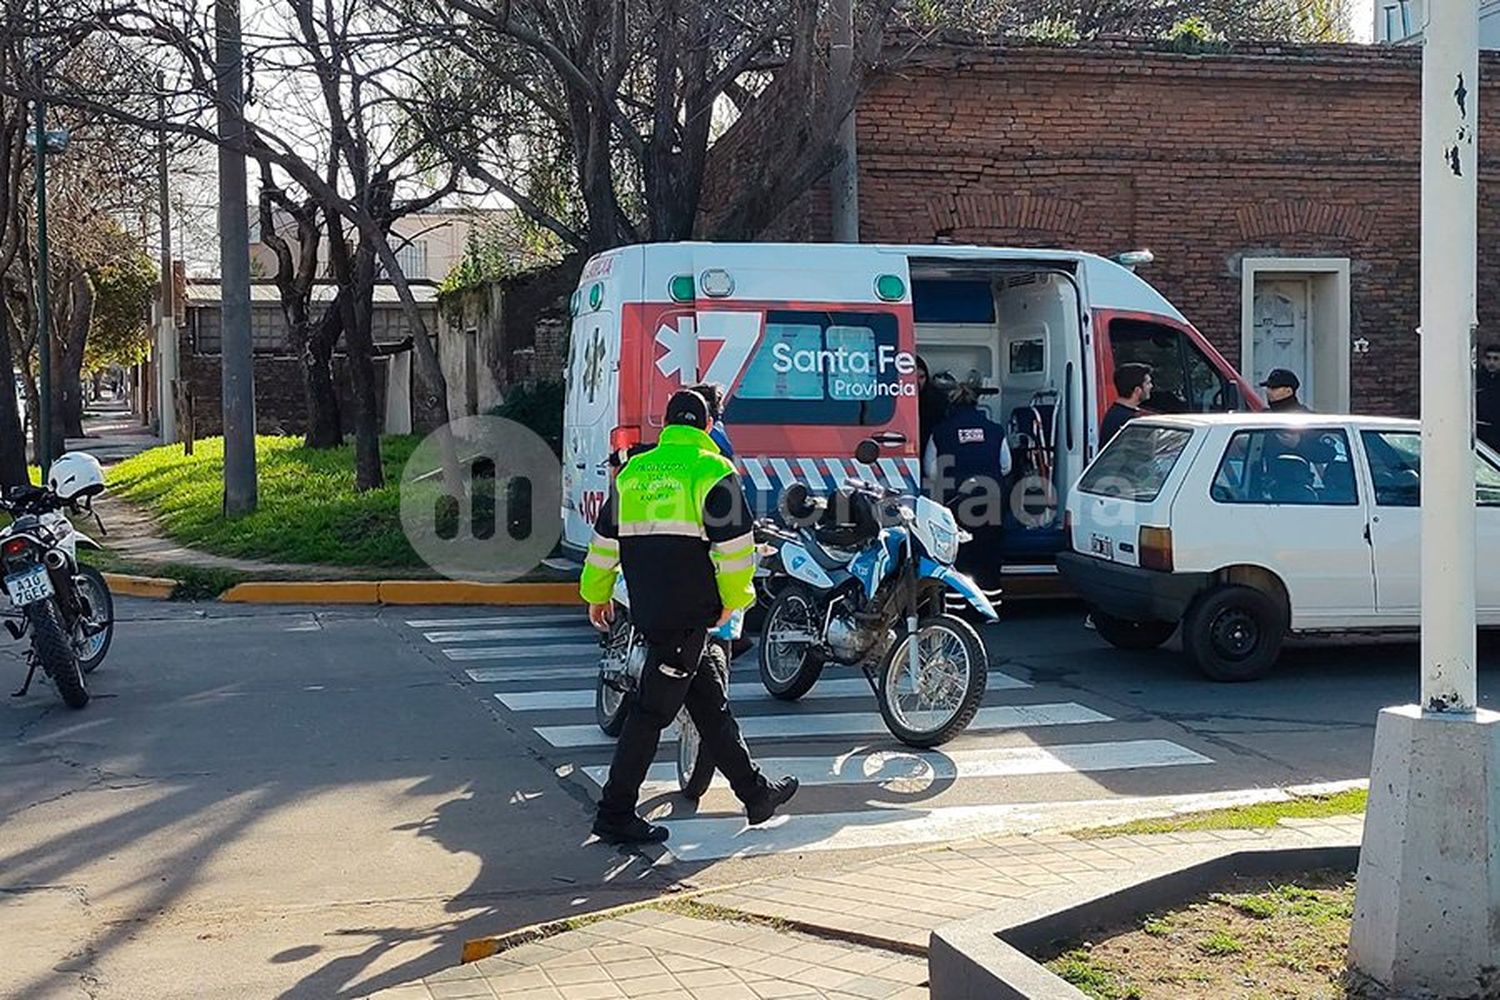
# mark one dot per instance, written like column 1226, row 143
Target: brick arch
column 1303, row 217
column 1051, row 219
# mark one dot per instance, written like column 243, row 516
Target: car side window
column 1287, row 465
column 1396, row 470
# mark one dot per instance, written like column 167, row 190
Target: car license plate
column 1100, row 545
column 29, row 586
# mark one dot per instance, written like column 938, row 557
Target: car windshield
column 1136, row 463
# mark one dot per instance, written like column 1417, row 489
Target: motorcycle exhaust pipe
column 54, row 559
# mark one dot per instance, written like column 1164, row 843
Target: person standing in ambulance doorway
column 969, row 464
column 677, row 525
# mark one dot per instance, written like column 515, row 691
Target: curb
column 401, row 592
column 156, row 587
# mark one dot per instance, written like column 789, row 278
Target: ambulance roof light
column 716, row 283
column 1134, row 258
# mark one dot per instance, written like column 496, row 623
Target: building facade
column 1402, row 21
column 1277, row 187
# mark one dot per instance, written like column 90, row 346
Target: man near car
column 678, row 526
column 1132, row 387
column 1487, row 396
column 1281, row 392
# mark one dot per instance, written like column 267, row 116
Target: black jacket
column 1116, row 417
column 1289, row 405
column 1487, row 404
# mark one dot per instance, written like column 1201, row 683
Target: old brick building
column 1277, row 186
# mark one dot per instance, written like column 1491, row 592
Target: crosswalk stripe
column 882, row 767
column 588, row 667
column 522, row 652
column 560, row 618
column 816, row 726
column 519, row 634
column 740, row 692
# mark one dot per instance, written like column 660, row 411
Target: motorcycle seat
column 828, row 557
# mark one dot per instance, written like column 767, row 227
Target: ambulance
column 817, row 345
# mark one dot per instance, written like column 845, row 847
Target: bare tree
column 633, row 95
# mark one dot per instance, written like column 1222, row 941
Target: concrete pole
column 1450, row 199
column 1429, row 866
column 43, row 444
column 843, row 182
column 166, row 328
column 238, row 359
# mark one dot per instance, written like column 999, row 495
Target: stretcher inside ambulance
column 816, row 345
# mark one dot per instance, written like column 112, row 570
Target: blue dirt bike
column 862, row 578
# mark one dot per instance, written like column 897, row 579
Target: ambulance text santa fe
column 855, row 374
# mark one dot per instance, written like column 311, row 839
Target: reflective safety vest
column 679, row 527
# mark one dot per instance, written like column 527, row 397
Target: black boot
column 763, row 805
column 630, row 830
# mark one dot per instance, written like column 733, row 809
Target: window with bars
column 267, row 330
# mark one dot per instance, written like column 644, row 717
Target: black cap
column 1281, row 378
column 687, row 408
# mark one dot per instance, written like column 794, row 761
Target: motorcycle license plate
column 29, row 586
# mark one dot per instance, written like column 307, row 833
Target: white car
column 1242, row 528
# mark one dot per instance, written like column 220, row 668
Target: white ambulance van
column 817, row 346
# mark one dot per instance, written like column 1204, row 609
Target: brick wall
column 280, row 407
column 1205, row 159
column 522, row 322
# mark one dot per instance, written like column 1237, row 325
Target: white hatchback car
column 1243, row 527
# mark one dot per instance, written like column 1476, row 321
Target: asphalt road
column 325, row 802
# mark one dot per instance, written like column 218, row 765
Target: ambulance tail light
column 1156, row 549
column 624, row 438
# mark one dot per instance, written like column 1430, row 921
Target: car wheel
column 1234, row 633
column 1123, row 633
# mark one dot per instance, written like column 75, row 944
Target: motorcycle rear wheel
column 933, row 708
column 611, row 703
column 50, row 644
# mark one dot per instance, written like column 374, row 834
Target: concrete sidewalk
column 862, row 932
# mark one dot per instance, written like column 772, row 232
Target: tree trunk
column 325, row 426
column 356, row 278
column 80, row 316
column 12, row 434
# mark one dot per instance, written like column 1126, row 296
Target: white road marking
column 522, row 652
column 817, row 726
column 713, row 837
column 588, row 667
column 561, row 618
column 528, row 635
column 740, row 692
column 907, row 767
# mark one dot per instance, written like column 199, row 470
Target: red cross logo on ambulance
column 706, row 346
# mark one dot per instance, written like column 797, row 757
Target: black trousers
column 675, row 675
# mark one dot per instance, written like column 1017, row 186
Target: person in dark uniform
column 1487, row 396
column 1132, row 388
column 932, row 405
column 1281, row 392
column 968, row 463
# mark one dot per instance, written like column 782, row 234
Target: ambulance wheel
column 788, row 666
column 1123, row 633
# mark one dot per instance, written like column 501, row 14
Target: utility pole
column 166, row 327
column 1429, row 869
column 844, row 182
column 44, row 454
column 238, row 360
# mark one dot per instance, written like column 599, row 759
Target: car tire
column 1234, row 633
column 1124, row 633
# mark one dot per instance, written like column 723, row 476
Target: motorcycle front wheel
column 610, row 703
column 695, row 765
column 939, row 702
column 51, row 646
column 788, row 667
column 96, row 630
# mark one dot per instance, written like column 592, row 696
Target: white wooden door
column 1281, row 329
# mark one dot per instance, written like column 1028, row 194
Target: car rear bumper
column 1130, row 592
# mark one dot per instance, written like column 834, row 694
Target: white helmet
column 76, row 475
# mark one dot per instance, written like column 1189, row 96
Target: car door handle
column 889, row 439
column 1367, row 532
